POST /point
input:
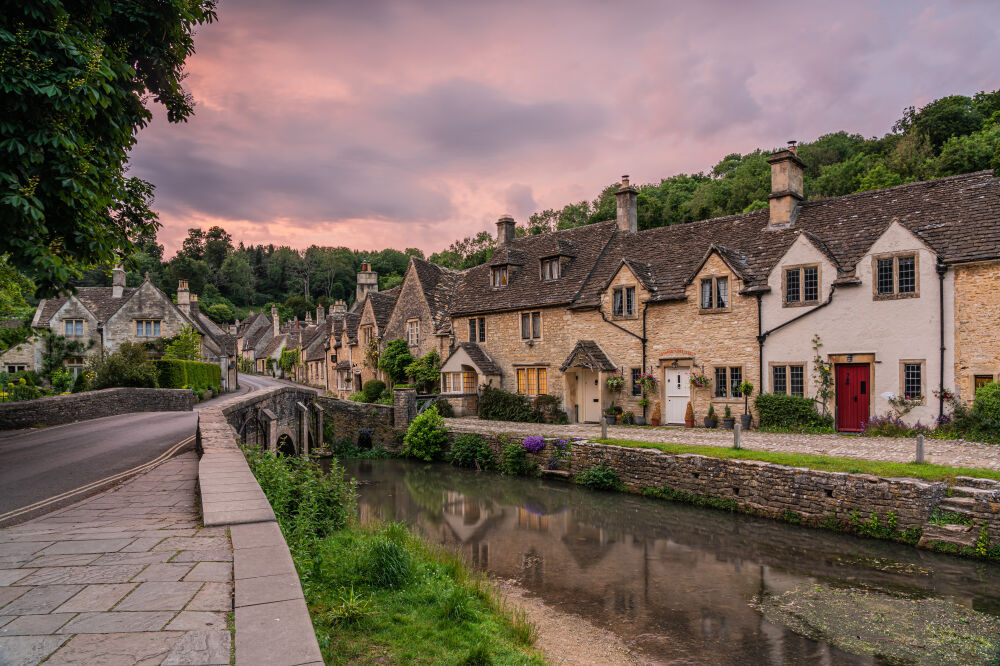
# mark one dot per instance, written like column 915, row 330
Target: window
column 413, row 332
column 636, row 386
column 367, row 334
column 623, row 303
column 531, row 381
column 147, row 328
column 16, row 368
column 499, row 274
column 801, row 285
column 979, row 381
column 531, row 325
column 788, row 379
column 469, row 382
column 715, row 293
column 912, row 380
column 74, row 326
column 895, row 276
column 550, row 268
column 477, row 329
column 727, row 381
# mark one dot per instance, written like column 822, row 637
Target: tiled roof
column 276, row 343
column 438, row 285
column 479, row 357
column 344, row 365
column 99, row 300
column 351, row 321
column 525, row 287
column 588, row 354
column 382, row 304
column 251, row 341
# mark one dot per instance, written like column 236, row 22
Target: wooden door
column 677, row 388
column 852, row 396
column 590, row 396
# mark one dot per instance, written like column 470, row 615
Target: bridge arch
column 285, row 442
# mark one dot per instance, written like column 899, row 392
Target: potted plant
column 655, row 417
column 610, row 415
column 699, row 380
column 644, row 403
column 728, row 421
column 616, row 382
column 689, row 416
column 746, row 418
column 711, row 420
column 628, row 417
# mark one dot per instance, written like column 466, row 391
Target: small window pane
column 735, row 379
column 156, row 328
column 472, row 330
column 630, row 300
column 616, row 307
column 706, row 294
column 636, row 386
column 536, row 324
column 792, row 286
column 720, row 383
column 885, row 280
column 525, row 326
column 796, row 380
column 532, row 381
column 778, row 379
column 907, row 275
column 69, row 327
column 522, row 382
column 469, row 382
column 722, row 292
column 912, row 383
column 482, row 329
column 810, row 284
column 542, row 382
column 981, row 380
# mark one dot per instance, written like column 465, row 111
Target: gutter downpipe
column 641, row 338
column 942, row 269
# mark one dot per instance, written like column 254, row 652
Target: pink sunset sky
column 378, row 124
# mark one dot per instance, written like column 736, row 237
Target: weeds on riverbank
column 380, row 593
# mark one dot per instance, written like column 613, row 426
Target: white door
column 677, row 385
column 589, row 386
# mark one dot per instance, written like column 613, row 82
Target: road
column 39, row 464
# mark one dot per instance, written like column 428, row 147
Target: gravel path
column 957, row 453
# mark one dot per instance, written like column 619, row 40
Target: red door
column 852, row 397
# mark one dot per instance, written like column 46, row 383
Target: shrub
column 600, row 477
column 892, row 426
column 471, row 450
column 549, row 409
column 514, row 461
column 185, row 346
column 129, row 366
column 394, row 360
column 444, row 408
column 20, row 389
column 499, row 405
column 789, row 411
column 62, row 380
column 425, row 372
column 356, row 397
column 172, row 373
column 373, row 389
column 426, row 436
column 81, row 384
column 987, row 404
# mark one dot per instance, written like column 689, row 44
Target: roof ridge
column 942, row 179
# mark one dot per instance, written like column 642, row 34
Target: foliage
column 700, row 380
column 15, row 289
column 426, row 437
column 444, row 408
column 616, row 382
column 171, row 373
column 498, row 405
column 514, row 461
column 558, row 453
column 288, row 360
column 357, row 397
column 220, row 313
column 892, row 426
column 373, row 389
column 394, row 360
column 186, row 345
column 600, row 477
column 628, row 417
column 77, row 80
column 549, row 410
column 128, row 366
column 728, row 413
column 83, row 382
column 987, row 403
column 746, row 389
column 471, row 450
column 667, row 493
column 18, row 390
column 62, row 380
column 711, row 416
column 822, row 377
column 648, row 382
column 425, row 372
column 778, row 410
column 689, row 413
column 385, row 563
column 56, row 348
column 903, row 404
column 939, row 517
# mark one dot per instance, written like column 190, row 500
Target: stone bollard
column 404, row 407
column 920, row 448
column 604, row 428
column 736, row 434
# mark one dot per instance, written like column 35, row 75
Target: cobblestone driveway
column 958, row 453
column 125, row 577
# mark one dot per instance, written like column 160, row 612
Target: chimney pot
column 183, row 297
column 627, row 208
column 367, row 281
column 505, row 230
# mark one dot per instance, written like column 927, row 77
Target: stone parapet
column 347, row 418
column 59, row 409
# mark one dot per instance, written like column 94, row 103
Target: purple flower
column 561, row 444
column 534, row 443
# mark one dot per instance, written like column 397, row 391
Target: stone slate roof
column 382, row 304
column 254, row 338
column 344, row 365
column 588, row 354
column 525, row 287
column 277, row 343
column 479, row 357
column 98, row 300
column 351, row 321
column 439, row 285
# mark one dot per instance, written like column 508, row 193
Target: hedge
column 173, row 373
column 786, row 411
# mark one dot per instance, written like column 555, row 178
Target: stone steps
column 978, row 493
column 961, row 535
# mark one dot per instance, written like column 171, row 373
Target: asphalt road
column 41, row 463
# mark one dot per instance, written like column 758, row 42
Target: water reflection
column 674, row 581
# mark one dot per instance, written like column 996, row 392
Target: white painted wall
column 856, row 323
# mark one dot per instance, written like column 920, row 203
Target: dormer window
column 715, row 293
column 499, row 276
column 895, row 276
column 550, row 268
column 623, row 302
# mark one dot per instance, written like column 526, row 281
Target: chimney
column 627, row 209
column 367, row 280
column 194, row 304
column 786, row 187
column 309, row 318
column 117, row 281
column 183, row 297
column 338, row 306
column 505, row 230
column 320, row 314
column 275, row 322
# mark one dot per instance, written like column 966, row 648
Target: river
column 675, row 582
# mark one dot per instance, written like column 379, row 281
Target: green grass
column 924, row 471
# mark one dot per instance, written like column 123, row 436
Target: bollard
column 920, row 448
column 604, row 428
column 736, row 434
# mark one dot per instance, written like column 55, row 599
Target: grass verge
column 926, row 471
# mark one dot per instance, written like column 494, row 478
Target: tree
column 394, row 360
column 237, row 279
column 186, row 345
column 425, row 372
column 76, row 77
column 14, row 287
column 218, row 246
column 220, row 313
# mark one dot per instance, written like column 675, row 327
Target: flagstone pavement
column 128, row 576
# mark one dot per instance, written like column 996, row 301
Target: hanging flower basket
column 648, row 383
column 699, row 380
column 616, row 382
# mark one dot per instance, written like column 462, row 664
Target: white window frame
column 413, row 332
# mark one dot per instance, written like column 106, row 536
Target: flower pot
column 728, row 422
column 610, row 419
column 655, row 422
column 746, row 420
column 710, row 422
column 640, row 420
column 688, row 423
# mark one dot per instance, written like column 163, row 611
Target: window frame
column 477, row 329
column 154, row 326
column 976, row 376
column 554, row 266
column 532, row 317
column 622, row 297
column 76, row 324
column 413, row 332
column 532, row 377
column 636, row 374
column 713, row 307
column 499, row 276
column 922, row 363
column 800, row 271
column 729, row 394
column 895, row 257
column 786, row 373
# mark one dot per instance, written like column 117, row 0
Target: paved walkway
column 128, row 576
column 958, row 453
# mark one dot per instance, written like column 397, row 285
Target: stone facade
column 58, row 409
column 349, row 418
column 977, row 320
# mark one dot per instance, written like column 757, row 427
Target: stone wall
column 977, row 317
column 350, row 417
column 59, row 409
column 411, row 304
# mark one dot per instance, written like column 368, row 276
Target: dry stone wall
column 349, row 418
column 59, row 409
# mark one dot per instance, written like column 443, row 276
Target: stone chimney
column 275, row 322
column 786, row 187
column 194, row 304
column 309, row 319
column 367, row 280
column 183, row 297
column 117, row 281
column 320, row 314
column 339, row 305
column 505, row 230
column 628, row 208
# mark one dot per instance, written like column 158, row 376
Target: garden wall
column 59, row 409
column 349, row 417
